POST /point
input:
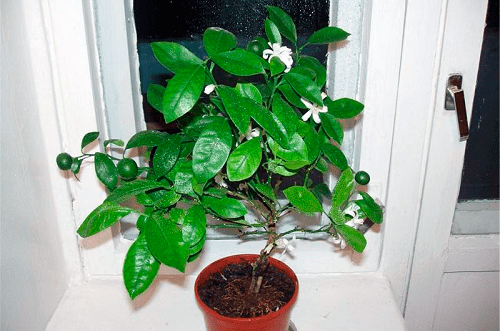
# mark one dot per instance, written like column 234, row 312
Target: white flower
column 252, row 133
column 352, row 210
column 338, row 240
column 281, row 243
column 314, row 110
column 282, row 52
column 209, row 89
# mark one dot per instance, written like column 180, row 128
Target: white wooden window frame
column 75, row 39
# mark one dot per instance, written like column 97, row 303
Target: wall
column 34, row 274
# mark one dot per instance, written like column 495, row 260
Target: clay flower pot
column 274, row 321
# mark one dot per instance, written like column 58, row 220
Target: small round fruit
column 362, row 178
column 256, row 47
column 64, row 161
column 127, row 168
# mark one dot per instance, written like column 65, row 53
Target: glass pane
column 185, row 21
column 477, row 210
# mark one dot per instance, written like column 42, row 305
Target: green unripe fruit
column 64, row 161
column 127, row 168
column 362, row 178
column 256, row 47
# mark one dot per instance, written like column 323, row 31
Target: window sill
column 343, row 301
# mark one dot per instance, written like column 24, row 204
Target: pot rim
column 248, row 257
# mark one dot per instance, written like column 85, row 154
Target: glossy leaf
column 147, row 138
column 285, row 114
column 327, row 35
column 218, row 40
column 197, row 125
column 165, row 242
column 183, row 91
column 311, row 139
column 130, row 189
column 248, row 90
column 140, row 268
column 314, row 64
column 303, row 199
column 276, row 66
column 225, row 207
column 194, row 225
column 174, row 56
column 237, row 107
column 344, row 108
column 155, row 96
column 371, row 209
column 336, row 216
column 332, row 127
column 105, row 170
column 276, row 166
column 239, row 62
column 305, row 87
column 212, row 150
column 296, row 152
column 343, row 188
column 272, row 32
column 116, row 142
column 88, row 138
column 166, row 155
column 264, row 189
column 195, row 250
column 321, row 190
column 335, row 156
column 104, row 216
column 271, row 124
column 244, row 160
column 167, row 199
column 291, row 96
column 353, row 237
column 284, row 23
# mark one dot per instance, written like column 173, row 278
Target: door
column 453, row 281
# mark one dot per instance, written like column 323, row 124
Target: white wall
column 34, row 274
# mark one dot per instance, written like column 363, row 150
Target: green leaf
column 332, row 127
column 75, row 165
column 248, row 90
column 217, row 40
column 276, row 66
column 291, row 95
column 88, row 138
column 314, row 64
column 321, row 190
column 194, row 225
column 195, row 251
column 311, row 139
column 322, row 166
column 305, row 87
column 140, row 268
column 197, row 125
column 296, row 164
column 183, row 91
column 344, row 108
column 167, row 199
column 285, row 114
column 165, row 242
column 237, row 107
column 105, row 170
column 284, row 23
column 353, row 237
column 271, row 124
column 225, row 207
column 303, row 199
column 276, row 166
column 174, row 56
column 343, row 188
column 336, row 216
column 264, row 189
column 104, row 216
column 296, row 152
column 130, row 189
column 239, row 62
column 147, row 138
column 335, row 156
column 272, row 32
column 327, row 35
column 116, row 142
column 212, row 150
column 166, row 155
column 244, row 160
column 155, row 96
column 371, row 209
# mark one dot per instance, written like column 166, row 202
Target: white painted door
column 453, row 280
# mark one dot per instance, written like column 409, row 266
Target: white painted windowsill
column 348, row 302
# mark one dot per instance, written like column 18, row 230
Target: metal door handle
column 455, row 101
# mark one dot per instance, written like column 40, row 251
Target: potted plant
column 253, row 145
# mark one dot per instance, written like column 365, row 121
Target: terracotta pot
column 275, row 321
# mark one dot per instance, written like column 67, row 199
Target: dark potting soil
column 227, row 293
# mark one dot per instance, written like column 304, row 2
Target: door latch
column 455, row 100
